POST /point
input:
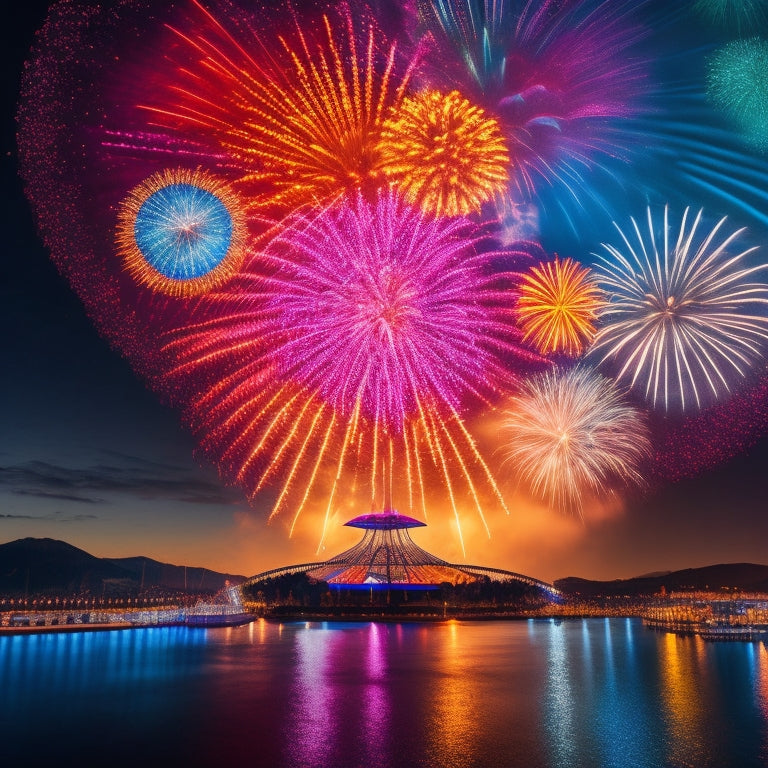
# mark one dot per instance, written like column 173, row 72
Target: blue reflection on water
column 538, row 694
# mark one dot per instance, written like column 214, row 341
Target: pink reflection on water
column 335, row 718
column 316, row 698
column 376, row 713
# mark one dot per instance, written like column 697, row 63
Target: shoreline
column 67, row 628
column 294, row 619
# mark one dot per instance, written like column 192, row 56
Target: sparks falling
column 362, row 330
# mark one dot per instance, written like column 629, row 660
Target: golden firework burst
column 558, row 305
column 444, row 153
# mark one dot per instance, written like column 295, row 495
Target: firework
column 737, row 85
column 552, row 74
column 180, row 232
column 295, row 119
column 558, row 306
column 570, row 434
column 693, row 157
column 739, row 14
column 682, row 313
column 361, row 331
column 444, row 154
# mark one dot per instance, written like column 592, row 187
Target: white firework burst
column 570, row 434
column 684, row 313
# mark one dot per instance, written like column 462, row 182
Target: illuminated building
column 387, row 557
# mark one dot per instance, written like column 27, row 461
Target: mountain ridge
column 742, row 577
column 43, row 565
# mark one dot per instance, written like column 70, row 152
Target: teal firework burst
column 737, row 84
column 741, row 15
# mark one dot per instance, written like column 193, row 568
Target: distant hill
column 31, row 566
column 151, row 572
column 747, row 577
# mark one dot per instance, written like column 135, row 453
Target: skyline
column 90, row 456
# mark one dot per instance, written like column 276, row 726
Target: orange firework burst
column 444, row 153
column 297, row 116
column 558, row 305
column 181, row 232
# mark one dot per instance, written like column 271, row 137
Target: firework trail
column 558, row 306
column 557, row 75
column 293, row 119
column 361, row 330
column 683, row 312
column 570, row 435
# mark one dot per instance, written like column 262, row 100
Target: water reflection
column 453, row 728
column 598, row 703
column 685, row 690
column 311, row 726
column 376, row 720
column 560, row 699
column 537, row 694
column 340, row 705
column 124, row 662
column 759, row 658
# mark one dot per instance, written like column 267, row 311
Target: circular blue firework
column 180, row 232
column 183, row 231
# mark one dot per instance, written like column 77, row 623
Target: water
column 488, row 694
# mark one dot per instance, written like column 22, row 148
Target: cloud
column 58, row 496
column 58, row 516
column 131, row 476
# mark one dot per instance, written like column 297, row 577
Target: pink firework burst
column 386, row 307
column 365, row 330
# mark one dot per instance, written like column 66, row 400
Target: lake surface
column 596, row 692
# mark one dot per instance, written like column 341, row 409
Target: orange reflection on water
column 453, row 727
column 761, row 677
column 685, row 684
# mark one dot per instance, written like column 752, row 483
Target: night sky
column 90, row 456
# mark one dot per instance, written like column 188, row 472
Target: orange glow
column 558, row 306
column 444, row 153
column 282, row 434
column 299, row 119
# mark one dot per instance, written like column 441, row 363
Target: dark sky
column 87, row 454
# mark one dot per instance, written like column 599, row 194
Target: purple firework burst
column 382, row 305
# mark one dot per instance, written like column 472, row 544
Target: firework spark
column 362, row 330
column 679, row 320
column 558, row 306
column 444, row 154
column 549, row 72
column 295, row 119
column 570, row 434
column 181, row 232
column 736, row 83
column 739, row 14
